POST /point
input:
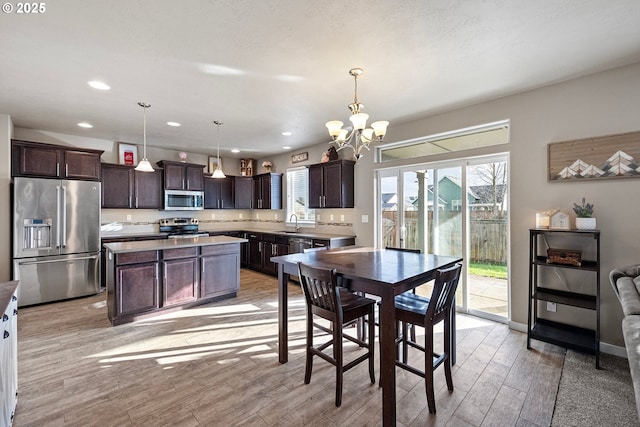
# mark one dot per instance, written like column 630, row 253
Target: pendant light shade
column 218, row 172
column 144, row 165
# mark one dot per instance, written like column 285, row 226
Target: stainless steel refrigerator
column 56, row 239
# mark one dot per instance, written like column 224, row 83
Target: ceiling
column 266, row 67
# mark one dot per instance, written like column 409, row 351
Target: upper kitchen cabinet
column 267, row 191
column 218, row 193
column 33, row 159
column 126, row 188
column 243, row 192
column 331, row 184
column 182, row 176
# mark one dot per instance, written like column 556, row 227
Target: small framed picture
column 213, row 163
column 127, row 154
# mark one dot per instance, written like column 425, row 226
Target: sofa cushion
column 628, row 295
column 631, row 332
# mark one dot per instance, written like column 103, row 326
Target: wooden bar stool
column 328, row 301
column 427, row 312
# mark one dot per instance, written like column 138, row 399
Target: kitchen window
column 298, row 197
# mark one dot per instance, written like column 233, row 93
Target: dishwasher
column 296, row 246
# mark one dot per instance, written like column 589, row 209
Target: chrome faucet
column 294, row 215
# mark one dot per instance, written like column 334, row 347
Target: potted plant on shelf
column 267, row 165
column 584, row 216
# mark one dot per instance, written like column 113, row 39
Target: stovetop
column 179, row 226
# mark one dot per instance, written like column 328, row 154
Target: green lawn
column 498, row 271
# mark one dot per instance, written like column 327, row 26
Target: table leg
column 388, row 357
column 283, row 315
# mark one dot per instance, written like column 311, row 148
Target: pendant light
column 144, row 165
column 218, row 172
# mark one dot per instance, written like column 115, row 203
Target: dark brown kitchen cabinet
column 267, row 191
column 243, row 192
column 219, row 193
column 136, row 283
column 182, row 176
column 263, row 246
column 40, row 160
column 180, row 276
column 219, row 270
column 123, row 187
column 331, row 184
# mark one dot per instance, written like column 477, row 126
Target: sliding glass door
column 454, row 208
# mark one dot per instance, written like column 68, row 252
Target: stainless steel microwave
column 180, row 200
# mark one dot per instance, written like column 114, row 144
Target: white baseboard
column 604, row 347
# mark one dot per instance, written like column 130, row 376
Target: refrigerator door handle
column 57, row 225
column 58, row 260
column 64, row 216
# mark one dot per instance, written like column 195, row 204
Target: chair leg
column 309, row 360
column 371, row 347
column 428, row 368
column 405, row 346
column 337, row 355
column 447, row 348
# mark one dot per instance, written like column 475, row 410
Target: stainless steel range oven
column 181, row 228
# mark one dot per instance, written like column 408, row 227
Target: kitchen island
column 145, row 278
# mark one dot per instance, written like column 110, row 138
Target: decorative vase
column 586, row 223
column 267, row 169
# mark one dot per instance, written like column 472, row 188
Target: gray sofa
column 626, row 284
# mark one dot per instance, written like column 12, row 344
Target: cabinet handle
column 183, row 184
column 187, row 184
column 221, row 204
column 136, row 201
column 66, row 169
column 273, row 249
column 57, row 168
column 259, row 246
column 130, row 201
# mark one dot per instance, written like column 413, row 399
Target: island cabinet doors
column 137, row 281
column 180, row 276
column 219, row 270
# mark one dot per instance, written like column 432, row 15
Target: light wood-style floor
column 217, row 365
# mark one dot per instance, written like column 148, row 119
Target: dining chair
column 326, row 300
column 427, row 312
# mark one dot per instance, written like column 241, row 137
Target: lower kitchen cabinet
column 219, row 271
column 142, row 282
column 136, row 282
column 180, row 278
column 8, row 352
column 263, row 246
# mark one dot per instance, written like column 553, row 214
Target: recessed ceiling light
column 85, row 125
column 286, row 147
column 174, row 124
column 286, row 133
column 235, row 150
column 96, row 84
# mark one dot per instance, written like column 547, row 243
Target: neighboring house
column 479, row 197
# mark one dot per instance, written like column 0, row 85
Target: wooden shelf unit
column 556, row 332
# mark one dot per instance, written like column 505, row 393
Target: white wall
column 6, row 129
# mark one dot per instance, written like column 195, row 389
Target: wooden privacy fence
column 488, row 237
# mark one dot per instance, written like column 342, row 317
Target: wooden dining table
column 381, row 272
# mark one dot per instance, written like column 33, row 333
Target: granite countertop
column 302, row 233
column 161, row 244
column 6, row 292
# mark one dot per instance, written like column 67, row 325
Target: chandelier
column 360, row 136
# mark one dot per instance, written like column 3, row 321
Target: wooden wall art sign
column 300, row 157
column 612, row 156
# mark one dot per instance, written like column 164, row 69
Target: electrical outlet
column 551, row 306
column 257, row 216
column 331, row 217
column 275, row 216
column 213, row 216
column 128, row 217
column 240, row 216
column 341, row 218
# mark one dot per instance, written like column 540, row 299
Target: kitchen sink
column 288, row 232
